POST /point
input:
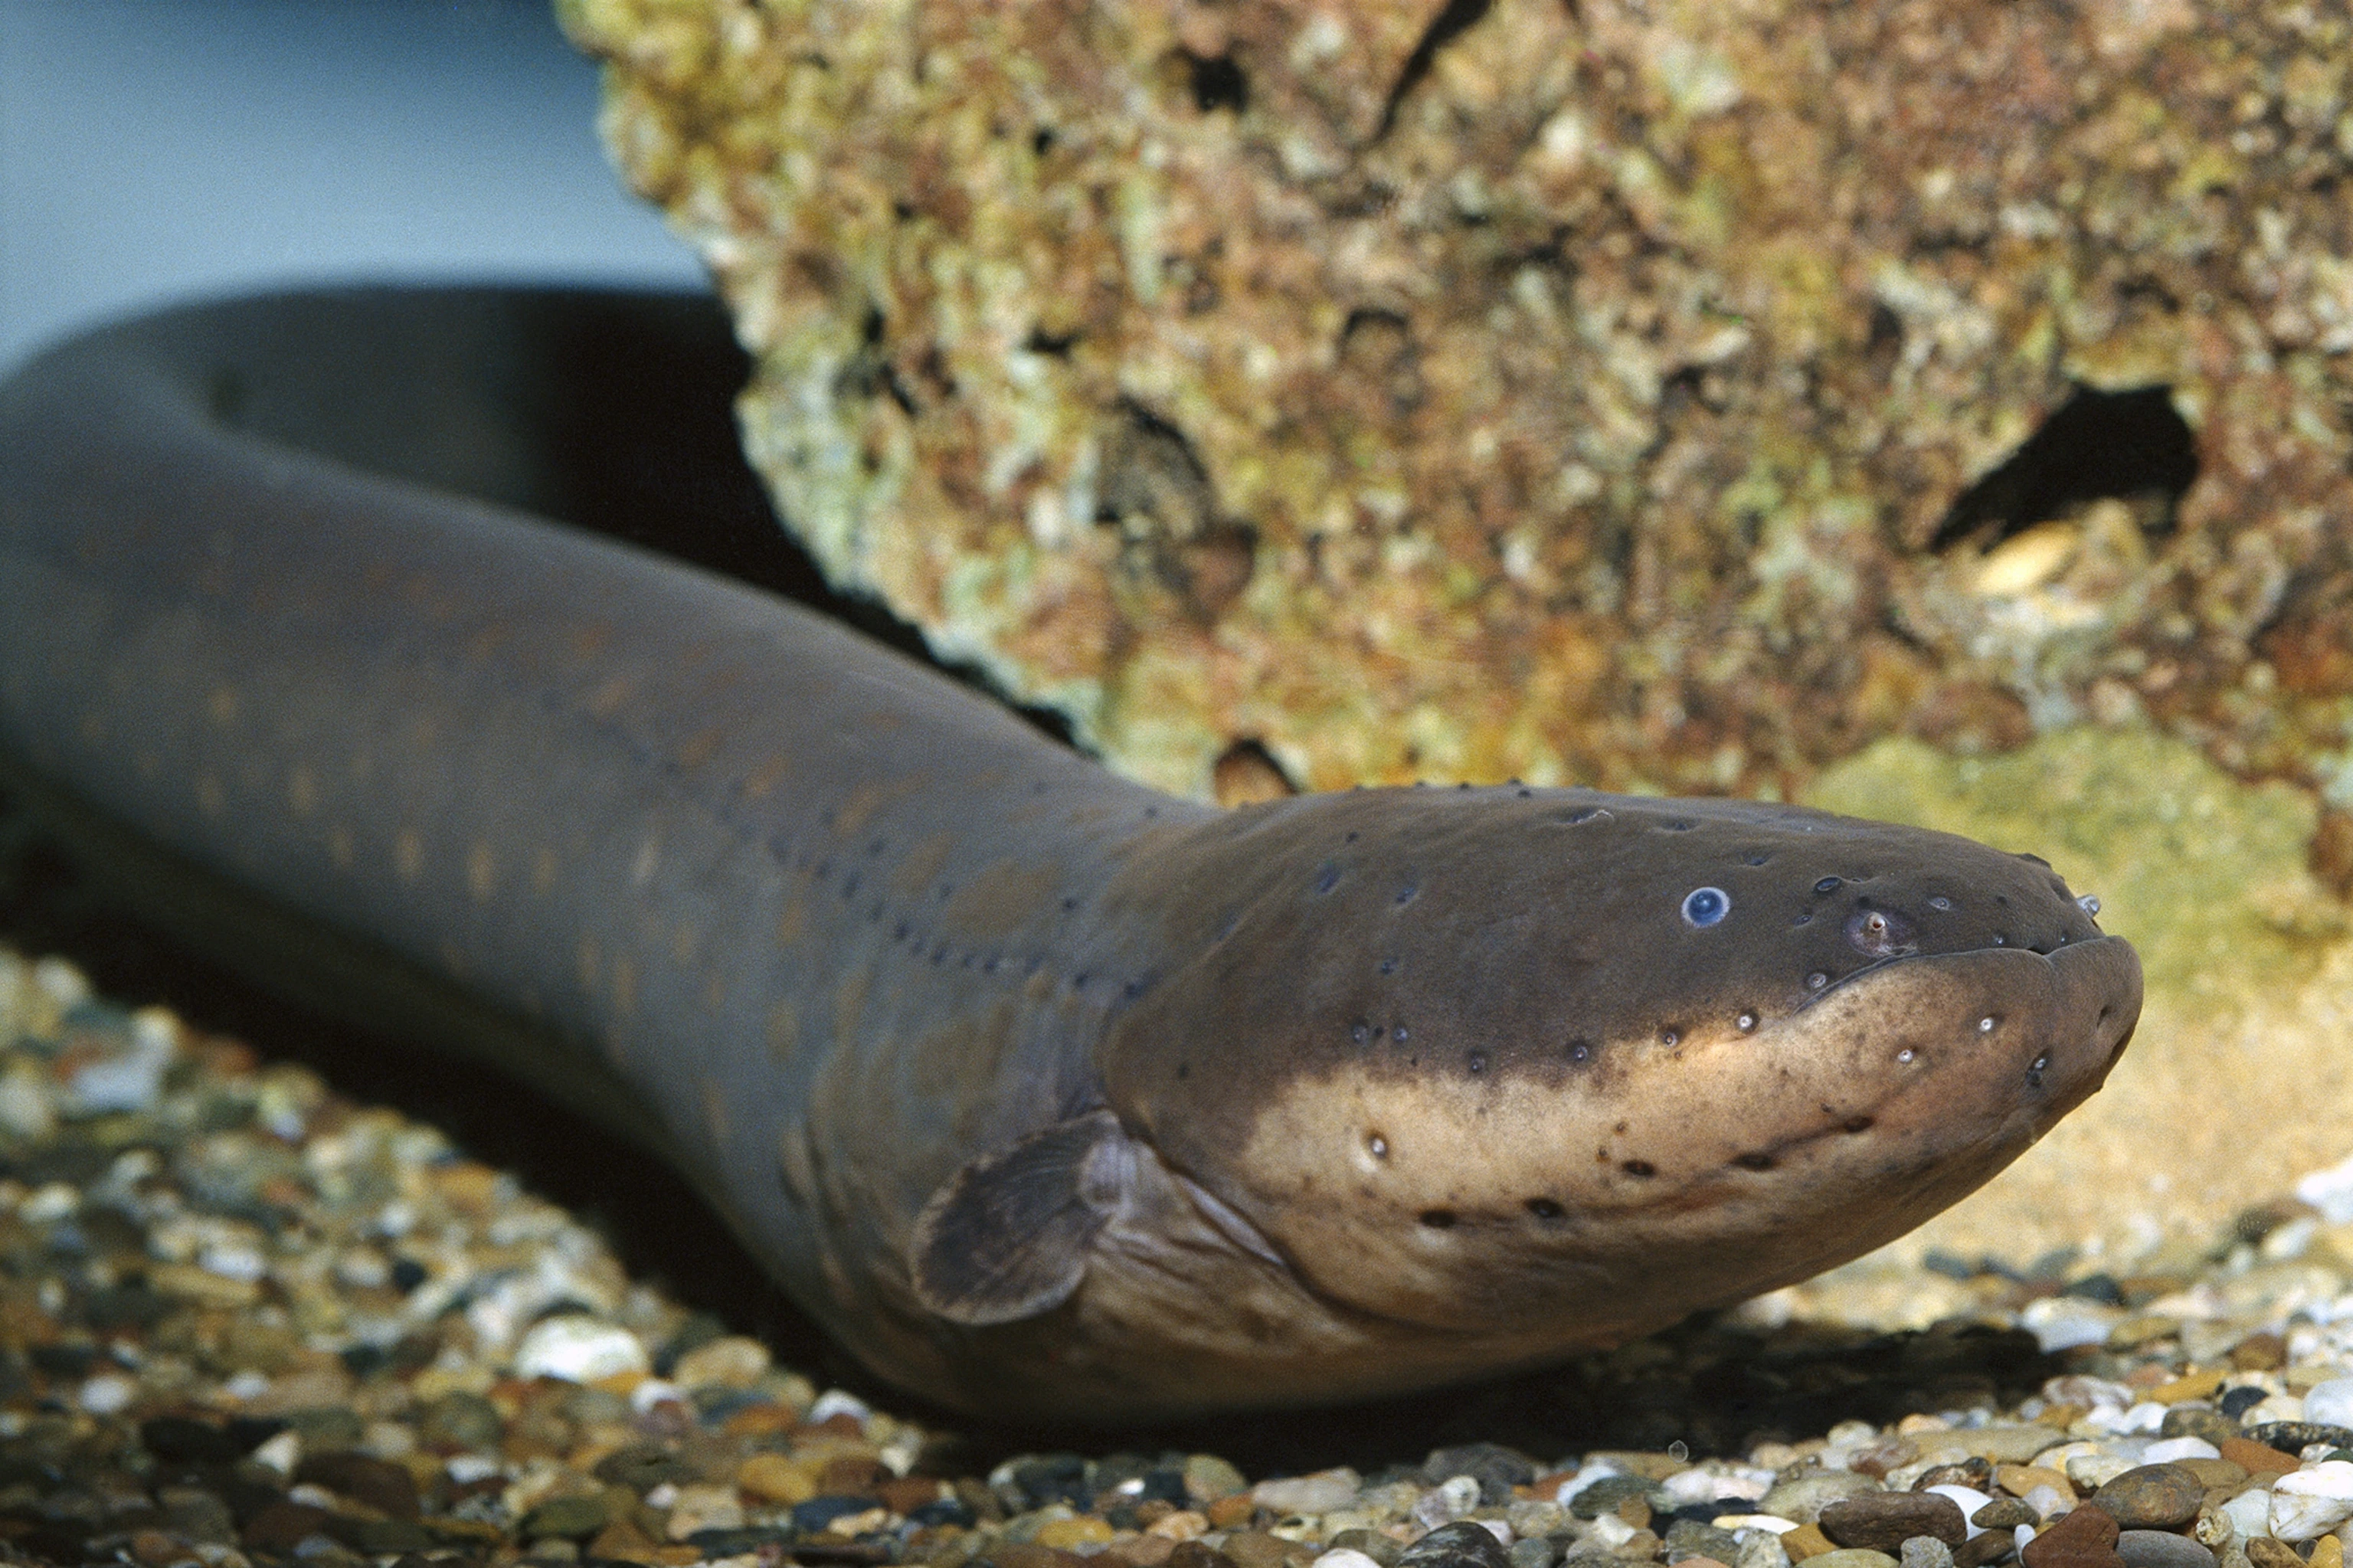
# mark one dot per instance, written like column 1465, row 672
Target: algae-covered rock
column 1617, row 394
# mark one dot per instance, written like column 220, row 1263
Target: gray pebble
column 1926, row 1552
column 1534, row 1552
column 2162, row 1549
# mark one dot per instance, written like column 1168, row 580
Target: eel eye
column 1705, row 906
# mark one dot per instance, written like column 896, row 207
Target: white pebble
column 1610, row 1531
column 106, row 1394
column 2330, row 1191
column 281, row 1453
column 2330, row 1403
column 1969, row 1499
column 1772, row 1523
column 24, row 1108
column 2304, row 1516
column 655, row 1391
column 834, row 1402
column 2048, row 1502
column 2172, row 1448
column 2063, row 1322
column 578, row 1349
column 2249, row 1513
column 2329, row 1478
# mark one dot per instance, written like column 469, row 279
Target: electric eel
column 1046, row 1092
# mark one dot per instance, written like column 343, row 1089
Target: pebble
column 2162, row 1549
column 2087, row 1538
column 1852, row 1557
column 2152, row 1496
column 1885, row 1520
column 1464, row 1544
column 405, row 1355
column 579, row 1349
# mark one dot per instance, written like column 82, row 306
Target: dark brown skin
column 1046, row 1092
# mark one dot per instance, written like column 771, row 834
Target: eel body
column 1044, row 1092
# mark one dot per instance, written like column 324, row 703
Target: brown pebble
column 2087, row 1538
column 1193, row 1554
column 1030, row 1555
column 385, row 1487
column 1227, row 1513
column 1987, row 1546
column 2005, row 1513
column 2152, row 1496
column 283, row 1525
column 1883, row 1522
column 2020, row 1479
column 1806, row 1541
column 1972, row 1472
column 2265, row 1553
column 2213, row 1473
column 2260, row 1352
column 2258, row 1458
column 1257, row 1549
column 901, row 1493
column 1145, row 1551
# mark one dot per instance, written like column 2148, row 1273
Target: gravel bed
column 245, row 1320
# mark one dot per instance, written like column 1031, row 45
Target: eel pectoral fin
column 1008, row 1236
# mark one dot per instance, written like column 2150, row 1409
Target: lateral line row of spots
column 908, row 932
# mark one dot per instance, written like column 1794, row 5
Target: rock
column 2265, row 1553
column 1852, row 1557
column 1319, row 1493
column 1926, row 1552
column 1462, row 1545
column 2330, row 1403
column 1689, row 1538
column 2257, row 1459
column 2152, row 1496
column 1885, row 1520
column 1804, row 1498
column 2020, row 1479
column 1604, row 1496
column 2198, row 1421
column 2162, row 1549
column 567, row 1517
column 2005, row 1513
column 2087, row 1538
column 576, row 1348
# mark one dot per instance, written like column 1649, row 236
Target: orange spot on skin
column 648, row 861
column 303, row 790
column 408, row 855
column 588, row 639
column 543, row 871
column 625, row 985
column 606, row 700
column 92, row 729
column 211, row 798
column 761, row 780
column 588, row 962
column 482, row 872
column 715, row 1116
column 339, row 847
column 220, row 706
column 793, row 924
column 783, row 1030
column 701, row 747
column 684, row 940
